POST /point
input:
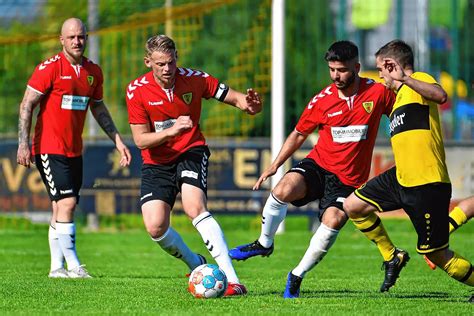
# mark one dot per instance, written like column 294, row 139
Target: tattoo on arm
column 30, row 100
column 104, row 119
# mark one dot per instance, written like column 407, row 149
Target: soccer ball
column 207, row 281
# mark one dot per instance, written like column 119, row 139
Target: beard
column 345, row 84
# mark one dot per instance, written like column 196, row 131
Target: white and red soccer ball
column 207, row 281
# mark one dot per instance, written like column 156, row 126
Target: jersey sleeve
column 136, row 111
column 98, row 94
column 42, row 78
column 210, row 86
column 309, row 119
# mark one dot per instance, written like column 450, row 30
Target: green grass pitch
column 132, row 275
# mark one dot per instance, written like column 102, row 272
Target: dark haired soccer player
column 347, row 114
column 164, row 107
column 419, row 183
column 64, row 86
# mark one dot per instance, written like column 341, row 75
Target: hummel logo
column 335, row 113
column 66, row 77
column 155, row 103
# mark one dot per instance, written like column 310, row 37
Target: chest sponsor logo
column 154, row 103
column 162, row 125
column 409, row 117
column 90, row 80
column 396, row 121
column 188, row 97
column 335, row 113
column 74, row 102
column 368, row 106
column 349, row 134
column 66, row 77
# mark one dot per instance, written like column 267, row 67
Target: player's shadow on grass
column 350, row 293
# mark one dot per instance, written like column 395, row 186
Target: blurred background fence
column 231, row 39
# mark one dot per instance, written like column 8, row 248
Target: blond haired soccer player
column 164, row 107
column 65, row 86
column 419, row 183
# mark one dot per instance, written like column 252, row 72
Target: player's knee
column 351, row 208
column 156, row 231
column 286, row 192
column 334, row 218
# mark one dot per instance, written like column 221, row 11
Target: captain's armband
column 221, row 92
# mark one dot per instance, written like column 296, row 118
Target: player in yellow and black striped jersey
column 419, row 183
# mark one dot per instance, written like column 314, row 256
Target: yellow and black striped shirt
column 416, row 137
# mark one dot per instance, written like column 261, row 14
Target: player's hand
column 125, row 155
column 394, row 69
column 182, row 124
column 253, row 102
column 23, row 156
column 265, row 175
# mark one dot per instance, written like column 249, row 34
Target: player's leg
column 456, row 266
column 378, row 194
column 431, row 219
column 332, row 219
column 57, row 269
column 62, row 177
column 156, row 217
column 461, row 214
column 290, row 188
column 194, row 205
column 158, row 194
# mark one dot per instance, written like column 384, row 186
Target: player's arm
column 145, row 138
column 249, row 103
column 292, row 143
column 103, row 118
column 30, row 100
column 431, row 91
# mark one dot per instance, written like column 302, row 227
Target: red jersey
column 67, row 90
column 148, row 103
column 347, row 129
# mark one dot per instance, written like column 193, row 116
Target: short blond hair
column 160, row 43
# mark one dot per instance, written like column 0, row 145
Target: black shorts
column 321, row 185
column 426, row 205
column 61, row 175
column 163, row 182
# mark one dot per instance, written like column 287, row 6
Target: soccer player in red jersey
column 347, row 114
column 164, row 107
column 64, row 86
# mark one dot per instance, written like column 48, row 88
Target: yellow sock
column 460, row 269
column 372, row 227
column 456, row 218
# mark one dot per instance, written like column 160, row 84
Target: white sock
column 57, row 258
column 172, row 243
column 213, row 237
column 274, row 212
column 67, row 240
column 320, row 244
